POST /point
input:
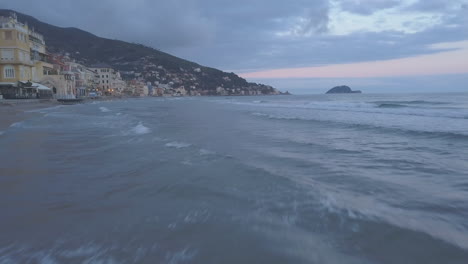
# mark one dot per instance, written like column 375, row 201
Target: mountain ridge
column 135, row 60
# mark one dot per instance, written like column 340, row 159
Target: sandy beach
column 12, row 111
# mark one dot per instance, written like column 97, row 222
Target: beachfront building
column 85, row 78
column 15, row 62
column 39, row 56
column 22, row 61
column 60, row 78
column 118, row 85
column 62, row 85
column 109, row 81
column 136, row 88
column 103, row 76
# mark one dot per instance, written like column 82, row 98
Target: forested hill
column 135, row 60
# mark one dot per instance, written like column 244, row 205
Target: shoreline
column 13, row 111
column 17, row 110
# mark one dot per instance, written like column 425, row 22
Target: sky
column 304, row 46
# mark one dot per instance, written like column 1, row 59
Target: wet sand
column 12, row 111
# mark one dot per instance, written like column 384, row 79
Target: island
column 342, row 89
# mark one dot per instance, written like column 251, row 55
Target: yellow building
column 39, row 56
column 18, row 69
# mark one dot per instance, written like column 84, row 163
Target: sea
column 342, row 178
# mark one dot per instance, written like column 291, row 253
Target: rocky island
column 342, row 89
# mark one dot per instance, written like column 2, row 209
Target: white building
column 108, row 80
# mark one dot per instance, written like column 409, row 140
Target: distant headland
column 342, row 89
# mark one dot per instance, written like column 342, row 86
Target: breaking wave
column 177, row 145
column 140, row 129
column 104, row 109
column 388, row 108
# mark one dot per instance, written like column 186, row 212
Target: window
column 7, row 54
column 102, row 76
column 103, row 81
column 22, row 73
column 9, row 72
column 107, row 81
column 107, row 76
column 21, row 57
column 8, row 35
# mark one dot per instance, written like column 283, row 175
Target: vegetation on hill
column 136, row 60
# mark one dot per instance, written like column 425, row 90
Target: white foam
column 259, row 114
column 177, row 145
column 364, row 107
column 187, row 163
column 140, row 129
column 181, row 256
column 45, row 110
column 104, row 109
column 368, row 208
column 205, row 152
column 17, row 124
column 87, row 254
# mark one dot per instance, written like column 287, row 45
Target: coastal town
column 29, row 71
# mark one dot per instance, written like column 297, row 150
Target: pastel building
column 108, row 80
column 17, row 65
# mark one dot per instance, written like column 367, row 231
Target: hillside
column 136, row 60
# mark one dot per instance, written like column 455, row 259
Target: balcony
column 27, row 62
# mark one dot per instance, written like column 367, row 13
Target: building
column 109, row 81
column 15, row 61
column 23, row 60
column 85, row 78
column 39, row 56
column 60, row 78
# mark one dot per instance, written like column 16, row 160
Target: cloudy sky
column 301, row 45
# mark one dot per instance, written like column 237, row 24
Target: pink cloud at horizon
column 445, row 62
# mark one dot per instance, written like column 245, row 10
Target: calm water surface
column 285, row 179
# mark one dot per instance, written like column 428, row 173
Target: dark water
column 313, row 179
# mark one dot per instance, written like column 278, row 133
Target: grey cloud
column 439, row 5
column 157, row 23
column 240, row 35
column 367, row 7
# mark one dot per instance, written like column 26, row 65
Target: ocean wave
column 17, row 124
column 366, row 209
column 140, row 129
column 87, row 254
column 415, row 102
column 412, row 131
column 204, row 152
column 177, row 145
column 378, row 107
column 45, row 110
column 388, row 105
column 104, row 109
column 181, row 256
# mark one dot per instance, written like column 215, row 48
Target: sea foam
column 140, row 129
column 177, row 145
column 104, row 109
